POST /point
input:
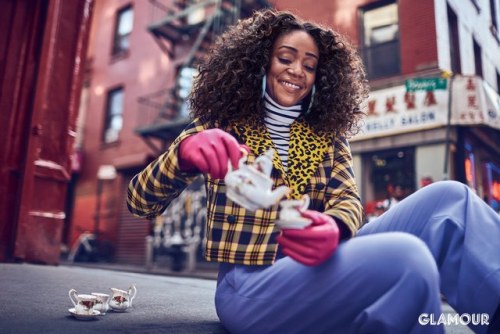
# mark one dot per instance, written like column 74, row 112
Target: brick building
column 143, row 55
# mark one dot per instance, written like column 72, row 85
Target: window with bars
column 380, row 39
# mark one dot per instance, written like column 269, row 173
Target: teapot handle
column 73, row 296
column 132, row 291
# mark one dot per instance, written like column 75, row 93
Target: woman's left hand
column 314, row 244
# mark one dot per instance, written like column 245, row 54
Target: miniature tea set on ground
column 89, row 306
column 250, row 186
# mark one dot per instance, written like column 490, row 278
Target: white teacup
column 84, row 304
column 290, row 216
column 121, row 300
column 290, row 208
column 102, row 302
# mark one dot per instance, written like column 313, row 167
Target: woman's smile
column 290, row 85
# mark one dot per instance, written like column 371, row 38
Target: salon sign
column 396, row 110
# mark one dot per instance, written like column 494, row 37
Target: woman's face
column 292, row 68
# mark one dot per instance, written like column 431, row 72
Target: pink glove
column 209, row 152
column 314, row 244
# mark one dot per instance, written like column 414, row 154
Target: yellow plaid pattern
column 323, row 170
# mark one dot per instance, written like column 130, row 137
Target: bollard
column 149, row 253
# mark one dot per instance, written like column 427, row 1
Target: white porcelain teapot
column 251, row 184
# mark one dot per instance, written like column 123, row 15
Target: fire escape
column 184, row 30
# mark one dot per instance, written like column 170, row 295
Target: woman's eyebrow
column 291, row 48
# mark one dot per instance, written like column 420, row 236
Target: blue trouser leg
column 372, row 284
column 462, row 233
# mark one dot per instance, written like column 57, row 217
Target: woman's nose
column 295, row 70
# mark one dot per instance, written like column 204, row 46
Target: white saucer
column 297, row 224
column 84, row 316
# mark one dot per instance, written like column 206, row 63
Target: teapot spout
column 279, row 193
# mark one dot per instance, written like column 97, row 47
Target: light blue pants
column 441, row 238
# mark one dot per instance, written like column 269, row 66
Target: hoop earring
column 264, row 80
column 311, row 100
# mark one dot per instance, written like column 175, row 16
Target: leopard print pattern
column 306, row 150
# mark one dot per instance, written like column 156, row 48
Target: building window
column 493, row 17
column 456, row 66
column 184, row 84
column 123, row 29
column 380, row 38
column 478, row 61
column 498, row 82
column 114, row 115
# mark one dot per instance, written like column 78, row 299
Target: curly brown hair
column 228, row 86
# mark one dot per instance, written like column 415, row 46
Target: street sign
column 426, row 84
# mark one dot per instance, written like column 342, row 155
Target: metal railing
column 157, row 108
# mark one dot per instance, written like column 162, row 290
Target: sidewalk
column 203, row 271
column 34, row 299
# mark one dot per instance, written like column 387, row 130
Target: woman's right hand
column 209, row 152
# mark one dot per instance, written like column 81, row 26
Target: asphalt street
column 34, row 299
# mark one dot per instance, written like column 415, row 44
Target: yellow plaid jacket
column 319, row 165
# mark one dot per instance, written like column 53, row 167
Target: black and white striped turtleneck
column 278, row 120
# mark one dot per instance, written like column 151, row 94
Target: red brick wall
column 418, row 35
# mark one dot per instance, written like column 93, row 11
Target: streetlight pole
column 448, row 75
column 97, row 216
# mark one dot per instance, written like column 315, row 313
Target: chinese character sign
column 474, row 102
column 467, row 101
column 397, row 110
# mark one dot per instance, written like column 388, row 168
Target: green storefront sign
column 426, row 84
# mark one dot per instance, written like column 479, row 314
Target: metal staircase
column 184, row 30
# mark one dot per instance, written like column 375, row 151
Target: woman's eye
column 284, row 61
column 310, row 68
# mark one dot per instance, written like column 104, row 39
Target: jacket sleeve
column 345, row 204
column 152, row 190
